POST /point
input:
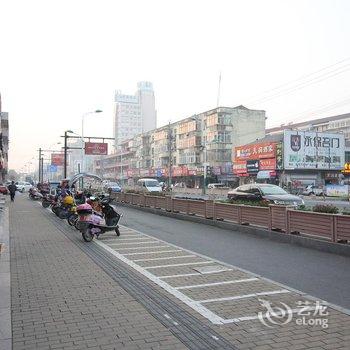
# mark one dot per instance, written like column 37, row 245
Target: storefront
column 256, row 162
column 312, row 158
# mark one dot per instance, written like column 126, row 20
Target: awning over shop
column 265, row 174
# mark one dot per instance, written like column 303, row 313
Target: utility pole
column 42, row 169
column 65, row 155
column 39, row 169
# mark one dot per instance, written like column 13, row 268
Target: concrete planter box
column 258, row 216
column 128, row 198
column 309, row 223
column 342, row 227
column 135, row 199
column 227, row 212
column 161, row 202
column 150, row 201
column 179, row 205
column 196, row 207
column 278, row 217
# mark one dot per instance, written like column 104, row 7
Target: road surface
column 320, row 274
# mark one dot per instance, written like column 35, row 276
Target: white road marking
column 144, row 242
column 238, row 297
column 133, row 239
column 154, row 252
column 217, row 283
column 181, row 275
column 202, row 310
column 174, row 265
column 134, row 248
column 256, row 317
column 166, row 258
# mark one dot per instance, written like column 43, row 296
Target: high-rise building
column 134, row 114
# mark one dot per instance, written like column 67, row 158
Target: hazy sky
column 60, row 59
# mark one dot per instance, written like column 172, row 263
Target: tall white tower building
column 134, row 114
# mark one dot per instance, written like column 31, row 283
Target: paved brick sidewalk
column 62, row 300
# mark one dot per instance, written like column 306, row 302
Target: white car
column 23, row 186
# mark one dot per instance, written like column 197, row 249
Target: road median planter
column 331, row 227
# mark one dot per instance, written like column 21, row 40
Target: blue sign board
column 53, row 168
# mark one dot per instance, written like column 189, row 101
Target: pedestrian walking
column 12, row 188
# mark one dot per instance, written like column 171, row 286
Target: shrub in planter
column 346, row 212
column 302, row 207
column 131, row 191
column 325, row 208
column 159, row 194
column 247, row 202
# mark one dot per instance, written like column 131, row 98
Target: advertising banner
column 57, row 159
column 268, row 164
column 337, row 190
column 96, row 148
column 256, row 151
column 252, row 166
column 240, row 167
column 313, row 150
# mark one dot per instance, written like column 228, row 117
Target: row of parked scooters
column 91, row 215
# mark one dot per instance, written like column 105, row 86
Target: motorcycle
column 92, row 223
column 34, row 194
column 48, row 200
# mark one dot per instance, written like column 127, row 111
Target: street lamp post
column 82, row 137
column 65, row 152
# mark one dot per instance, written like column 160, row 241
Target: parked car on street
column 113, row 187
column 313, row 190
column 217, row 185
column 23, row 186
column 148, row 185
column 3, row 189
column 271, row 193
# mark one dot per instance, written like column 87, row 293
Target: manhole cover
column 211, row 269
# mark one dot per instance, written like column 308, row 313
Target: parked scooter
column 34, row 194
column 92, row 223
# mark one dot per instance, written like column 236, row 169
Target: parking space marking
column 238, row 297
column 202, row 310
column 173, row 265
column 166, row 258
column 135, row 248
column 181, row 275
column 133, row 238
column 217, row 283
column 144, row 242
column 154, row 252
column 266, row 315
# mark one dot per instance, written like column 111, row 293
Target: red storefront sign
column 257, row 151
column 268, row 164
column 239, row 167
column 179, row 171
column 96, row 148
column 57, row 159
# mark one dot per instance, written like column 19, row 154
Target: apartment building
column 184, row 147
column 334, row 124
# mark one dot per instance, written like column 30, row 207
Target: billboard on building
column 255, row 151
column 96, row 148
column 57, row 159
column 313, row 150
